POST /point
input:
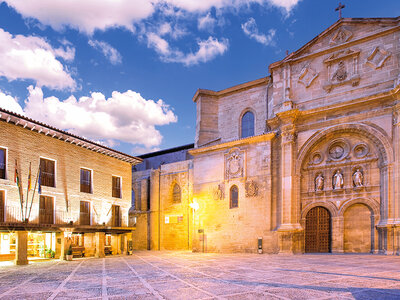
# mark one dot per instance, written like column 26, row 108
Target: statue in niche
column 337, row 180
column 358, row 178
column 319, row 183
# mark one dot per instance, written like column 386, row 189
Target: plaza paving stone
column 186, row 275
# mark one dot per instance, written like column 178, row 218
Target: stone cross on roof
column 339, row 8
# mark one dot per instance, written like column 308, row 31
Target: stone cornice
column 233, row 89
column 389, row 93
column 245, row 141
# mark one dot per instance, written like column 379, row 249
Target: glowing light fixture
column 194, row 205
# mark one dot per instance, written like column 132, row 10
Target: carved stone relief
column 342, row 69
column 338, row 150
column 377, row 58
column 234, row 164
column 337, row 180
column 218, row 192
column 358, row 178
column 361, row 150
column 319, row 182
column 341, row 36
column 316, row 158
column 337, row 168
column 307, row 76
column 251, row 189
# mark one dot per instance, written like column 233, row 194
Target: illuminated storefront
column 40, row 245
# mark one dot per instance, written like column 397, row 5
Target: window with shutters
column 247, row 125
column 2, row 163
column 116, row 187
column 2, row 208
column 234, row 197
column 48, row 170
column 176, row 193
column 84, row 214
column 46, row 210
column 86, row 181
column 116, row 216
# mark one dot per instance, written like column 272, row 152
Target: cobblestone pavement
column 186, row 275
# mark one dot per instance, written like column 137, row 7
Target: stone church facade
column 304, row 160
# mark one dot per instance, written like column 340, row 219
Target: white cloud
column 87, row 15
column 174, row 31
column 126, row 117
column 250, row 28
column 208, row 50
column 90, row 15
column 206, row 22
column 108, row 51
column 9, row 103
column 29, row 57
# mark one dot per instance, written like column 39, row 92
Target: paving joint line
column 58, row 289
column 184, row 281
column 143, row 281
column 104, row 295
column 26, row 281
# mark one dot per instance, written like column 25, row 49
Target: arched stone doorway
column 339, row 166
column 318, row 230
column 358, row 229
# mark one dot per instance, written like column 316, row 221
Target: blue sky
column 124, row 72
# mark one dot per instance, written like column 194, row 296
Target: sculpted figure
column 358, row 178
column 337, row 180
column 319, row 183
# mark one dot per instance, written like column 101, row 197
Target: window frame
column 5, row 162
column 114, row 217
column 90, row 212
column 55, row 171
column 247, row 110
column 120, row 186
column 231, row 196
column 4, row 204
column 91, row 180
column 54, row 207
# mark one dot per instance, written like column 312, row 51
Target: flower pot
column 68, row 257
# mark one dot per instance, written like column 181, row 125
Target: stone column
column 289, row 230
column 99, row 237
column 60, row 245
column 337, row 234
column 21, row 252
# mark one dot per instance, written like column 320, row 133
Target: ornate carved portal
column 339, row 168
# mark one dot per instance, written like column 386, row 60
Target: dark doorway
column 318, row 230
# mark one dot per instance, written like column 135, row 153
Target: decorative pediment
column 378, row 57
column 342, row 69
column 342, row 35
column 341, row 55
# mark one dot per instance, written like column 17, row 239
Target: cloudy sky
column 124, row 72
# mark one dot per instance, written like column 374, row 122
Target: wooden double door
column 318, row 230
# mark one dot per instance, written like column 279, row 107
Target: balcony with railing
column 11, row 214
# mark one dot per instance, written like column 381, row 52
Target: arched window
column 176, row 193
column 234, row 197
column 247, row 126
